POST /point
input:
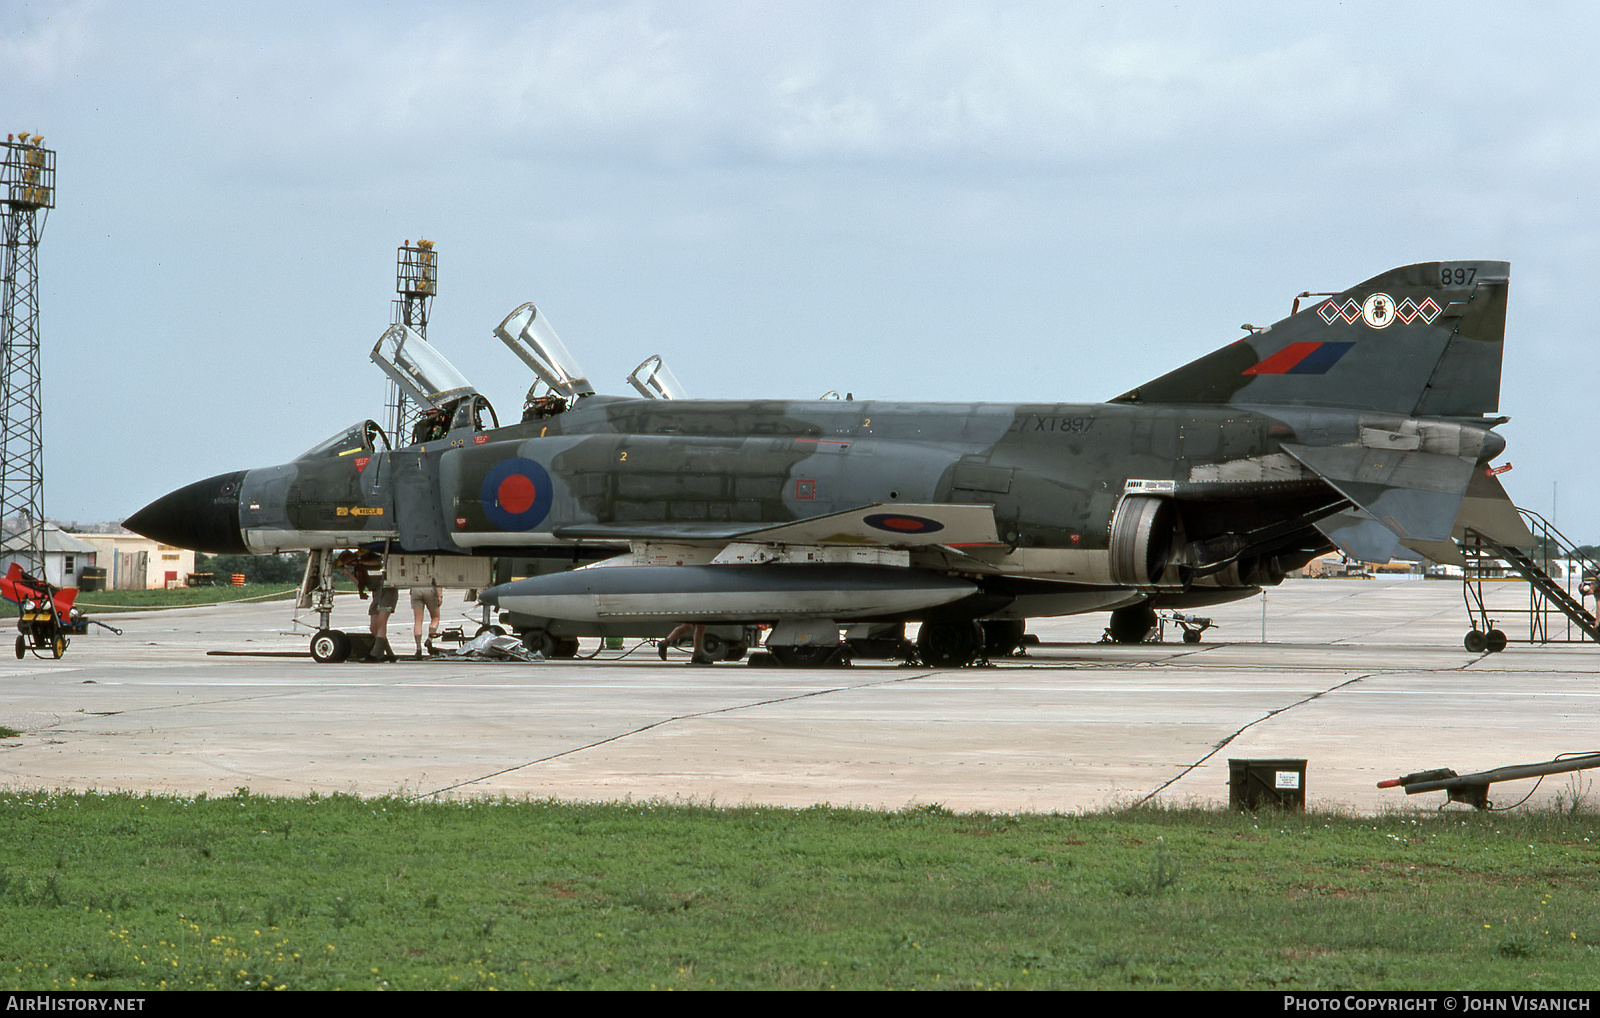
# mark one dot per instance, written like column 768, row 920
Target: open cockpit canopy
column 654, row 380
column 420, row 371
column 531, row 337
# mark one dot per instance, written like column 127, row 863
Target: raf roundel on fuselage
column 516, row 494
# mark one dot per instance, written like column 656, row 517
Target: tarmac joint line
column 667, row 721
column 1244, row 728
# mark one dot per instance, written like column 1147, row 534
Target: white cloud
column 671, row 85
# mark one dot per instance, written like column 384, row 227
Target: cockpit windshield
column 352, row 441
column 422, row 372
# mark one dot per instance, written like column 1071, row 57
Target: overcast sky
column 995, row 201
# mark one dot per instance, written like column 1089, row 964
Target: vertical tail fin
column 1420, row 340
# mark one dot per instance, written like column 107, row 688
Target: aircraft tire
column 714, row 647
column 1476, row 642
column 1002, row 637
column 1497, row 641
column 566, row 646
column 538, row 641
column 949, row 644
column 1133, row 623
column 803, row 657
column 735, row 652
column 329, row 647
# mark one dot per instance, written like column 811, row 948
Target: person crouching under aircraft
column 367, row 571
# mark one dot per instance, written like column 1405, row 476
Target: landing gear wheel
column 713, row 646
column 22, row 648
column 735, row 652
column 329, row 647
column 58, row 647
column 1002, row 637
column 1476, row 642
column 566, row 646
column 1497, row 641
column 949, row 644
column 803, row 657
column 538, row 642
column 1132, row 624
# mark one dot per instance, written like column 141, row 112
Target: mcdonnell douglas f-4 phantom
column 1362, row 422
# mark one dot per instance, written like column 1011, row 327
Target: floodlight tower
column 27, row 194
column 416, row 281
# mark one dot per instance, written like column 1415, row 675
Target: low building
column 132, row 562
column 1337, row 564
column 65, row 556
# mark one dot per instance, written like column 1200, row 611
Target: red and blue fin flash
column 1301, row 359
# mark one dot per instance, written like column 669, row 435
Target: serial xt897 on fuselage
column 1362, row 421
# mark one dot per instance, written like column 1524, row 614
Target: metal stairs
column 1547, row 596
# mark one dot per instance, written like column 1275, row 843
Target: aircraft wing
column 676, row 532
column 898, row 526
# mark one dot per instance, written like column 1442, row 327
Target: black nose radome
column 203, row 516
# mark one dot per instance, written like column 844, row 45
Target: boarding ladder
column 1488, row 559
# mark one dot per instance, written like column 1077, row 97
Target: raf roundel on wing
column 516, row 494
column 897, row 523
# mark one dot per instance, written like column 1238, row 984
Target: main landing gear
column 949, row 644
column 1132, row 624
column 541, row 641
column 958, row 644
column 938, row 645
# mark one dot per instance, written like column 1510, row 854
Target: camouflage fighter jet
column 1362, row 421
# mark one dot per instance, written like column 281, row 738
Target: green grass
column 101, row 602
column 183, row 597
column 126, row 892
